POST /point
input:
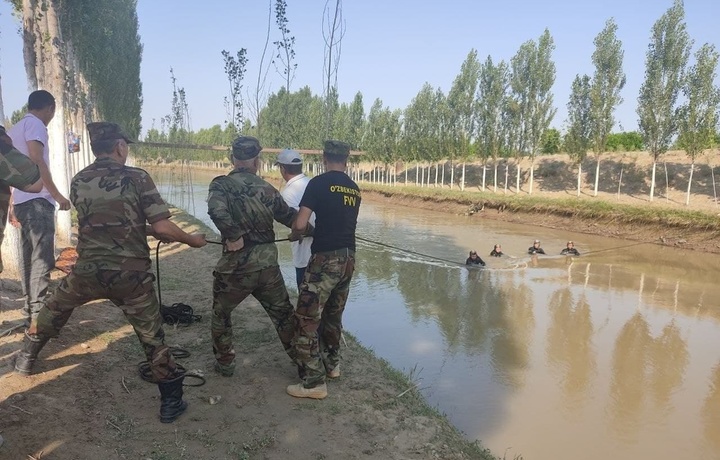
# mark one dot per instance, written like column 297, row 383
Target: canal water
column 613, row 354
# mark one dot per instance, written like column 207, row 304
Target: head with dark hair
column 40, row 99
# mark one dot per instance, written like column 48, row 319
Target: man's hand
column 63, row 202
column 232, row 246
column 197, row 240
column 295, row 236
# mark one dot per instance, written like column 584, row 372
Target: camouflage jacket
column 113, row 204
column 242, row 204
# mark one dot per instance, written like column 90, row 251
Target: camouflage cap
column 336, row 148
column 106, row 131
column 245, row 148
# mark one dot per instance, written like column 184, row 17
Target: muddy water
column 613, row 354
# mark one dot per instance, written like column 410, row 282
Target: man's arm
column 35, row 150
column 166, row 231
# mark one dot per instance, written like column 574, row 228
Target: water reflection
column 559, row 357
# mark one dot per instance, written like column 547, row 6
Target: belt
column 337, row 252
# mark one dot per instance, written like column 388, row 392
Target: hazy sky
column 390, row 48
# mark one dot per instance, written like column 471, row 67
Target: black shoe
column 171, row 402
column 25, row 360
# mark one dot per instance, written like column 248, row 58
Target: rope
column 407, row 251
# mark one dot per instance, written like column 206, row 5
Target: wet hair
column 40, row 99
column 292, row 169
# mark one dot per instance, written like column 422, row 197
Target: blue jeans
column 37, row 231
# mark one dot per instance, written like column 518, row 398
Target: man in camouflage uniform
column 114, row 202
column 335, row 199
column 16, row 170
column 243, row 207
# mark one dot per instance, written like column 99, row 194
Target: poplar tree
column 285, row 46
column 607, row 83
column 699, row 114
column 666, row 58
column 533, row 75
column 235, row 73
column 492, row 91
column 461, row 100
column 578, row 138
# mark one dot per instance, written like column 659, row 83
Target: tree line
column 495, row 110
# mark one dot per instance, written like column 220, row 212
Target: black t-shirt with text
column 335, row 200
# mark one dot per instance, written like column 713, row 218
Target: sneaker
column 299, row 391
column 335, row 373
column 225, row 371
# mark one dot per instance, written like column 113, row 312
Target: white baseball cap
column 289, row 157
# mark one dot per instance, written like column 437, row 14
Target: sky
column 389, row 50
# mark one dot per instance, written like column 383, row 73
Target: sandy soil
column 87, row 400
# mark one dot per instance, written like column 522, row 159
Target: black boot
column 27, row 356
column 171, row 402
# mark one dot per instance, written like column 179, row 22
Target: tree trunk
column 437, row 171
column 484, row 174
column 579, row 181
column 517, row 179
column 452, row 174
column 652, row 182
column 597, row 175
column 692, row 169
column 442, row 178
column 417, row 174
column 507, row 172
column 406, row 170
column 462, row 178
column 495, row 165
column 532, row 174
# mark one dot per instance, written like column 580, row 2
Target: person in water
column 535, row 248
column 497, row 251
column 570, row 250
column 474, row 259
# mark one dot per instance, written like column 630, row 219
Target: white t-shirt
column 30, row 128
column 292, row 194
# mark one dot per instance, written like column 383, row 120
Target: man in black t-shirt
column 335, row 200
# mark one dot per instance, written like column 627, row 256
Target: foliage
column 235, row 72
column 461, row 102
column 550, row 141
column 533, row 75
column 699, row 114
column 286, row 45
column 607, row 83
column 625, row 142
column 94, row 27
column 578, row 138
column 667, row 57
column 493, row 87
column 18, row 115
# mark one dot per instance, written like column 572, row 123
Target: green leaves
column 666, row 59
column 578, row 137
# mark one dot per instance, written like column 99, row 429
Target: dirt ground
column 87, row 401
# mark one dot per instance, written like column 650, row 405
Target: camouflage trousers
column 131, row 291
column 323, row 294
column 229, row 290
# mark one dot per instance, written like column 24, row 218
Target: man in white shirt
column 290, row 165
column 35, row 212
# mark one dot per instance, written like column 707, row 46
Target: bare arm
column 35, row 150
column 301, row 221
column 167, row 231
